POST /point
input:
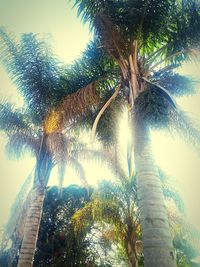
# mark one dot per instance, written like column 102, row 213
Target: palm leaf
column 77, row 166
column 175, row 83
column 13, row 120
column 35, row 71
column 20, row 142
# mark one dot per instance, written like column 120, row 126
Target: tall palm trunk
column 42, row 172
column 31, row 230
column 157, row 242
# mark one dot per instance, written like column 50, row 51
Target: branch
column 94, row 127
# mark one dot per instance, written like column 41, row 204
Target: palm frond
column 18, row 126
column 77, row 166
column 19, row 143
column 100, row 156
column 10, row 54
column 173, row 25
column 58, row 146
column 13, row 120
column 153, row 108
column 182, row 124
column 94, row 65
column 83, row 217
column 35, row 71
column 72, row 107
column 175, row 83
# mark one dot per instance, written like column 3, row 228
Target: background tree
column 114, row 206
column 57, row 243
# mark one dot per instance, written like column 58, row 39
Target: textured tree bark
column 31, row 230
column 132, row 259
column 157, row 242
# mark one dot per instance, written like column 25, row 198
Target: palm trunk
column 31, row 230
column 157, row 242
column 132, row 259
column 42, row 172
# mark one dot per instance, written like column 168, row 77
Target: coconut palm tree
column 147, row 41
column 36, row 72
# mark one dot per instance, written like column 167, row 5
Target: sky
column 56, row 21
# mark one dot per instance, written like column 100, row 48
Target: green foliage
column 153, row 108
column 57, row 243
column 35, row 71
column 175, row 83
column 94, row 65
column 20, row 130
column 153, row 23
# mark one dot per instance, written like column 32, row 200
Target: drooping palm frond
column 18, row 144
column 153, row 108
column 157, row 110
column 71, row 108
column 58, row 146
column 13, row 120
column 93, row 66
column 101, row 156
column 170, row 192
column 182, row 124
column 175, row 83
column 77, row 166
column 18, row 126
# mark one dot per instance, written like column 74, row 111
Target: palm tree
column 36, row 73
column 146, row 41
column 114, row 205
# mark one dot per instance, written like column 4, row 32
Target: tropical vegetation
column 132, row 63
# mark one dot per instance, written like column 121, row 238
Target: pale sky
column 57, row 21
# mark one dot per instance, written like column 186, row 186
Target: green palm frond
column 93, row 66
column 35, row 71
column 153, row 108
column 153, row 23
column 18, row 126
column 175, row 83
column 83, row 218
column 182, row 124
column 13, row 120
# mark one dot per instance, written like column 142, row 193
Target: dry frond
column 111, row 38
column 71, row 107
column 109, row 234
column 59, row 148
